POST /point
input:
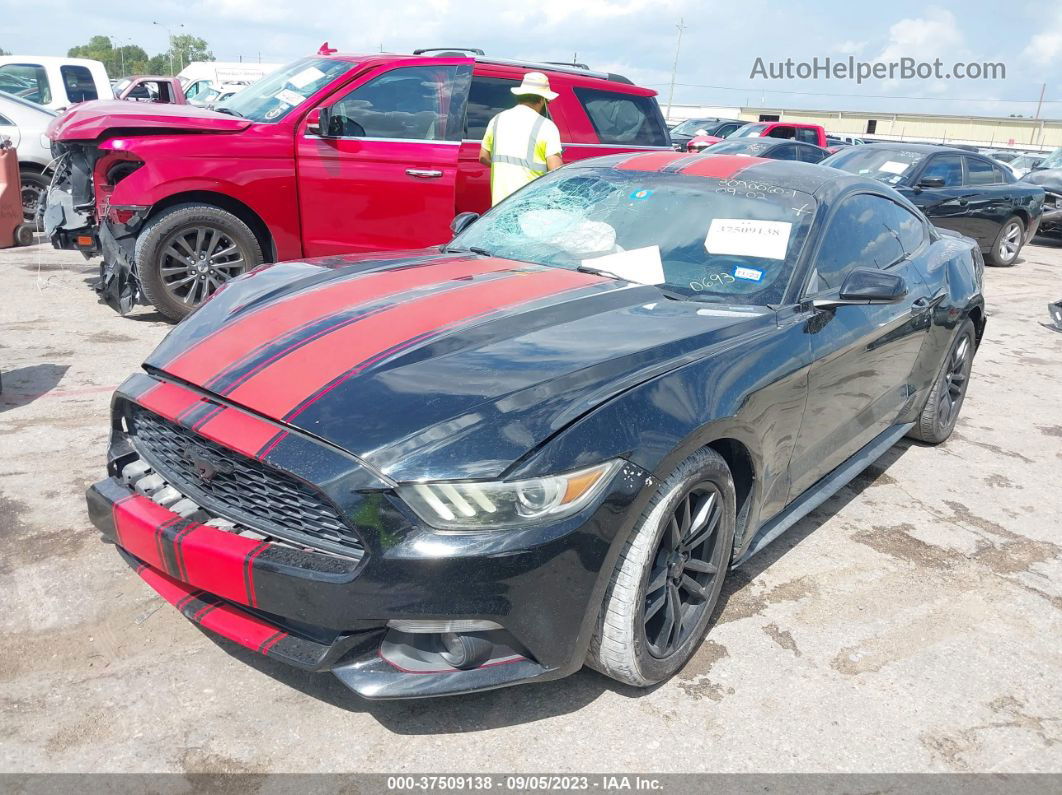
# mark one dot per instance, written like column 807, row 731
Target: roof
column 49, row 60
column 539, row 66
column 912, row 147
column 789, row 174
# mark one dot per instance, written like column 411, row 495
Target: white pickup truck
column 54, row 82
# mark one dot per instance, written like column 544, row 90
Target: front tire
column 941, row 412
column 1008, row 243
column 667, row 580
column 185, row 253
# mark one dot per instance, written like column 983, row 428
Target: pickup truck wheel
column 33, row 186
column 667, row 581
column 187, row 252
column 1007, row 245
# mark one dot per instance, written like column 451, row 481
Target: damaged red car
column 329, row 155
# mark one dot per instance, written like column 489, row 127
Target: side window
column 947, row 167
column 807, row 136
column 981, row 172
column 784, row 152
column 626, row 119
column 79, row 84
column 724, row 130
column 27, row 81
column 5, row 122
column 811, row 154
column 858, row 237
column 425, row 103
column 487, row 97
column 782, row 131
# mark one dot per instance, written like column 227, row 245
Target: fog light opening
column 465, row 651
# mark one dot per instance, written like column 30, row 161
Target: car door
column 988, row 201
column 860, row 379
column 383, row 174
column 488, row 96
column 946, row 206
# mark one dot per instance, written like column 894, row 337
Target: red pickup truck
column 807, row 133
column 331, row 154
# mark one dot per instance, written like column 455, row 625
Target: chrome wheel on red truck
column 188, row 251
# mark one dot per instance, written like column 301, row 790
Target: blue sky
column 634, row 37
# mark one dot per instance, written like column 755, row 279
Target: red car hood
column 89, row 121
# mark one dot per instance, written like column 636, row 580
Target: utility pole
column 674, row 68
column 1040, row 104
column 169, row 33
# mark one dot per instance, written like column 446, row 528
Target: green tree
column 187, row 48
column 4, row 52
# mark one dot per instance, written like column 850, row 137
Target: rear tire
column 941, row 412
column 185, row 253
column 1008, row 243
column 629, row 644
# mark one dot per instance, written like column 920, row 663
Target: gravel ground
column 912, row 623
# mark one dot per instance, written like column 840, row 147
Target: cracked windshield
column 721, row 241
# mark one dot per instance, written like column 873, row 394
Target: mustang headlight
column 504, row 504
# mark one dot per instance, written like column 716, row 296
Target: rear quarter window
column 624, row 119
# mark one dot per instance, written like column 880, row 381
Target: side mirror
column 461, row 222
column 931, row 182
column 317, row 122
column 866, row 286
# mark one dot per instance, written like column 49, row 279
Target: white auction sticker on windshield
column 642, row 265
column 306, row 76
column 288, row 97
column 744, row 237
column 893, row 167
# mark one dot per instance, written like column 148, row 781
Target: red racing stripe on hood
column 721, row 166
column 169, row 400
column 286, row 383
column 234, row 340
column 651, row 162
column 239, row 431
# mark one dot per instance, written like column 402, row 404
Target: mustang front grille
column 240, row 488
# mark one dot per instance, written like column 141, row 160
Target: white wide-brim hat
column 535, row 83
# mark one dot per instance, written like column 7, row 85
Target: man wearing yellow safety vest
column 521, row 144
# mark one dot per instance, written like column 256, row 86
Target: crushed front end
column 299, row 551
column 78, row 214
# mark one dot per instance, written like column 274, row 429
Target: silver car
column 24, row 123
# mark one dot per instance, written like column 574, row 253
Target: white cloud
column 851, row 47
column 1046, row 46
column 934, row 35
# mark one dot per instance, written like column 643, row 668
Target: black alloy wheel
column 687, row 558
column 956, row 377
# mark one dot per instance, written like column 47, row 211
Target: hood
column 435, row 366
column 90, row 121
column 1048, row 178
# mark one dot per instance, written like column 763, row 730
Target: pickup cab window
column 80, row 86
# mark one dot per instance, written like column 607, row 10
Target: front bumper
column 328, row 612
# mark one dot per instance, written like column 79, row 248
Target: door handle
column 424, row 173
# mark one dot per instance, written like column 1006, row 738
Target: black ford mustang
column 544, row 444
column 956, row 189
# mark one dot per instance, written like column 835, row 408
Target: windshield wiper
column 600, row 272
column 470, row 250
column 229, row 111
